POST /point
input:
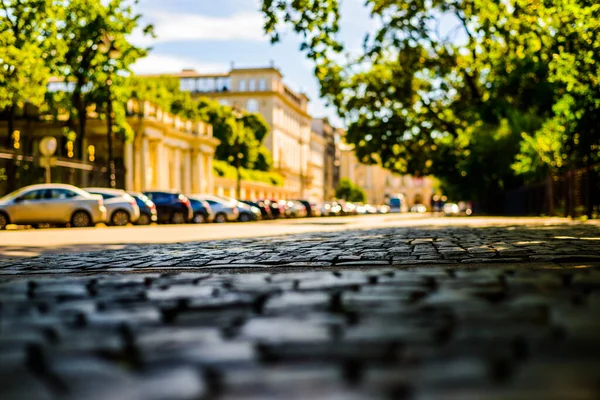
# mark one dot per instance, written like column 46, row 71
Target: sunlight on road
column 33, row 242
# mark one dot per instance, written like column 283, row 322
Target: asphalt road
column 33, row 242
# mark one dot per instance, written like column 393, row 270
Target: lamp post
column 238, row 153
column 112, row 53
column 300, row 143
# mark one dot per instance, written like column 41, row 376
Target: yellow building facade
column 168, row 153
column 262, row 90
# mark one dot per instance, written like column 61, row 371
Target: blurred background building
column 262, row 90
column 380, row 184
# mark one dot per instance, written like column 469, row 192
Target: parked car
column 223, row 210
column 383, row 209
column 276, row 211
column 265, row 209
column 371, row 209
column 171, row 207
column 315, row 210
column 297, row 209
column 284, row 208
column 202, row 211
column 348, row 208
column 121, row 208
column 51, row 204
column 395, row 204
column 147, row 208
column 451, row 209
column 307, row 206
column 331, row 209
column 248, row 212
column 418, row 208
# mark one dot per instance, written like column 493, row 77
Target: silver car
column 121, row 208
column 224, row 210
column 51, row 204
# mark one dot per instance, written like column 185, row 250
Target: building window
column 224, row 102
column 187, row 84
column 252, row 85
column 242, row 85
column 262, row 85
column 224, row 84
column 252, row 105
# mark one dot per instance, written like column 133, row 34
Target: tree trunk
column 79, row 103
column 590, row 188
column 11, row 170
column 550, row 192
column 81, row 134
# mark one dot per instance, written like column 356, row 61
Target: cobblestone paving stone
column 380, row 314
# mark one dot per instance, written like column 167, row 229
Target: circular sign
column 48, row 146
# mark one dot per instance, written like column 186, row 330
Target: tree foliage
column 29, row 46
column 479, row 93
column 348, row 191
column 242, row 135
column 99, row 57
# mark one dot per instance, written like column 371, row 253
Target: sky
column 210, row 35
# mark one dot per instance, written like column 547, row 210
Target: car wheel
column 3, row 221
column 81, row 219
column 120, row 218
column 199, row 218
column 220, row 218
column 144, row 219
column 244, row 218
column 178, row 218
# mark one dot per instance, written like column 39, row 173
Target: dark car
column 310, row 211
column 202, row 211
column 172, row 207
column 147, row 209
column 265, row 209
column 248, row 212
column 274, row 207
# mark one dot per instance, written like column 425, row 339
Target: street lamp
column 108, row 46
column 238, row 151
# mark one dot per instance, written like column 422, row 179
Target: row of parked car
column 66, row 205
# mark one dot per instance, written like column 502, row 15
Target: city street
column 382, row 307
column 33, row 242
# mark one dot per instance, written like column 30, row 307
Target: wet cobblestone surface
column 465, row 313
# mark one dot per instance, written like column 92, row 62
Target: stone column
column 161, row 166
column 129, row 170
column 145, row 165
column 187, row 172
column 200, row 178
column 176, row 184
column 209, row 174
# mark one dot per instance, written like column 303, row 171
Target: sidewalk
column 391, row 313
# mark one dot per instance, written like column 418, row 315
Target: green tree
column 348, row 191
column 99, row 55
column 461, row 103
column 238, row 137
column 28, row 48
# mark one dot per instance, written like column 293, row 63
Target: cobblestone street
column 427, row 312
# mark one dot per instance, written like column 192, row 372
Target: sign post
column 47, row 148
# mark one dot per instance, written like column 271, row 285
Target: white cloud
column 170, row 27
column 159, row 63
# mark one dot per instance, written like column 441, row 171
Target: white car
column 451, row 209
column 121, row 208
column 224, row 209
column 51, row 204
column 418, row 208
